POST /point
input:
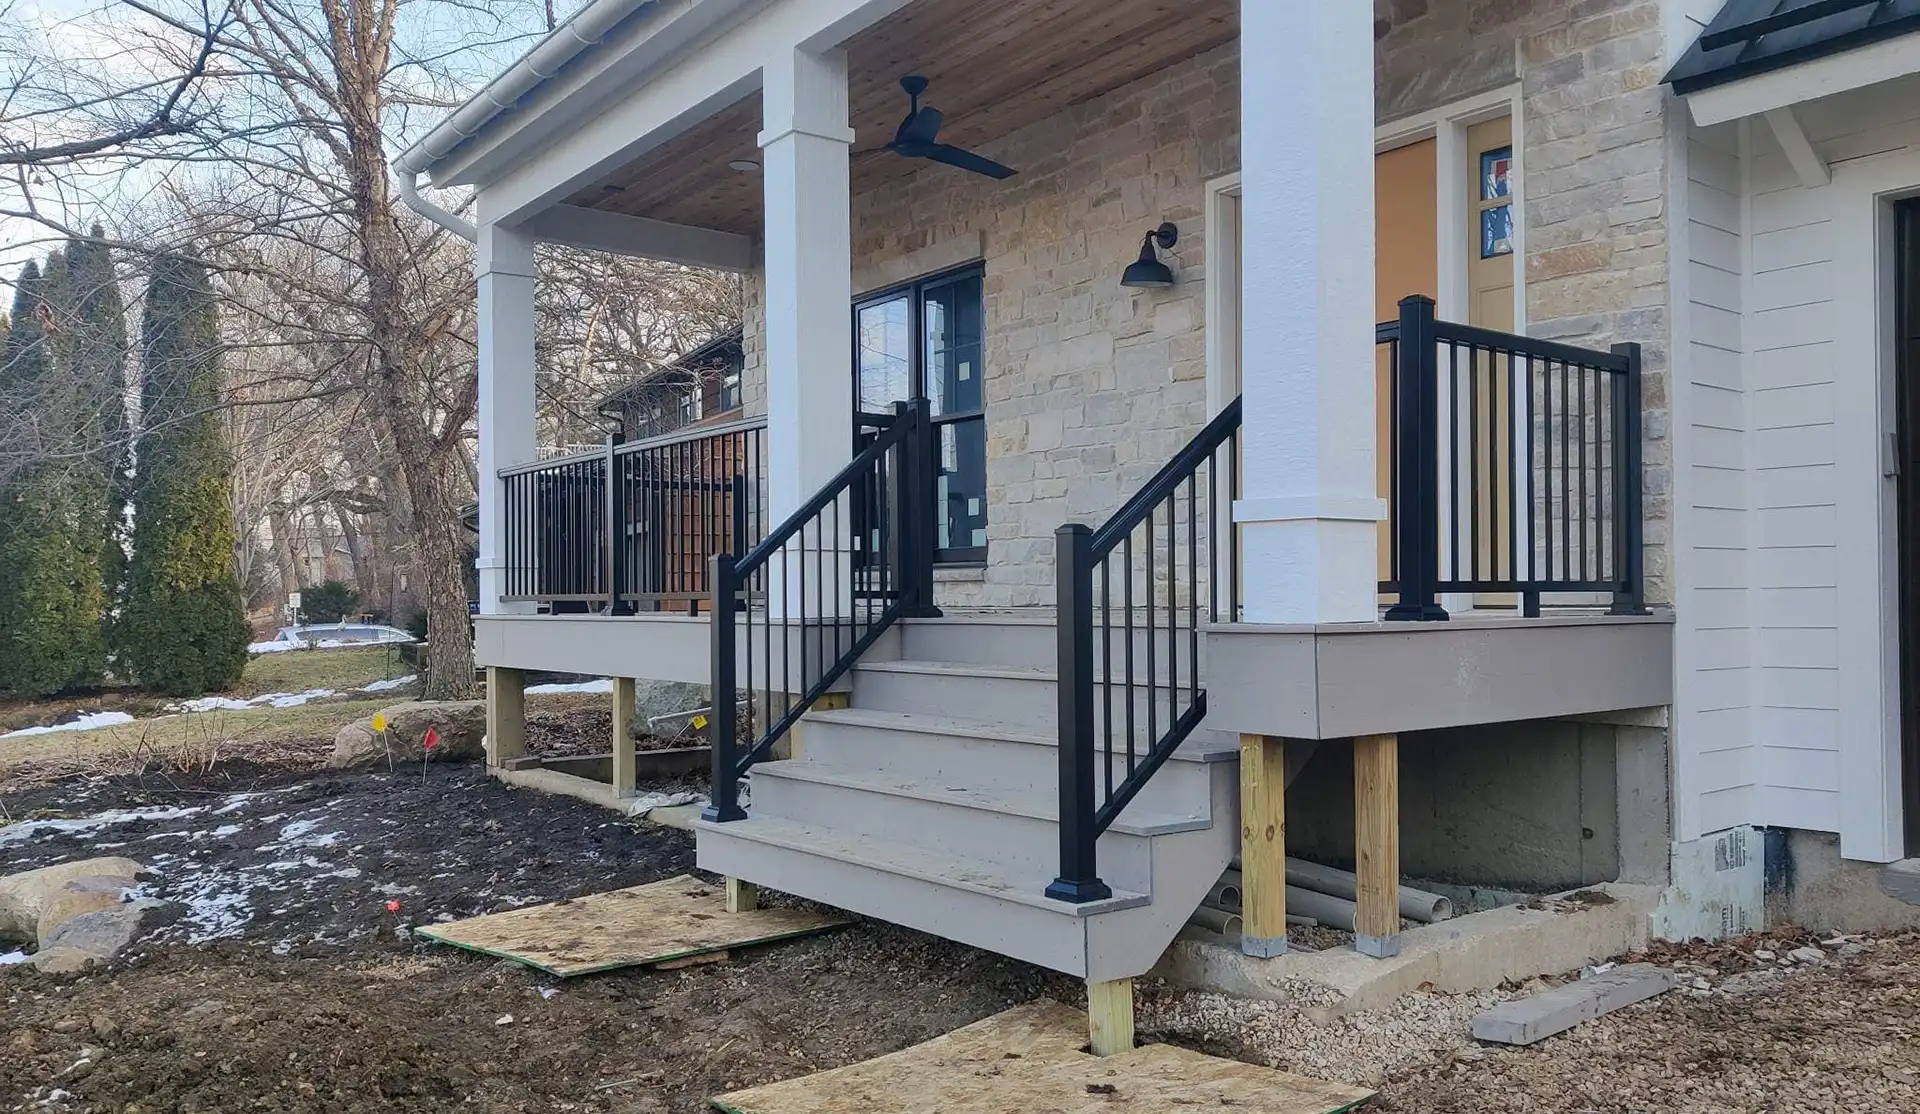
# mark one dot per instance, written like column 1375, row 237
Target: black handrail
column 798, row 611
column 1102, row 709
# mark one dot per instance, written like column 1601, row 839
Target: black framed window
column 929, row 338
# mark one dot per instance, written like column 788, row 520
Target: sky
column 94, row 32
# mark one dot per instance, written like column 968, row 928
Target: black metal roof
column 1751, row 37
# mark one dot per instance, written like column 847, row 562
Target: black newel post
column 1629, row 521
column 1415, row 530
column 725, row 805
column 1079, row 879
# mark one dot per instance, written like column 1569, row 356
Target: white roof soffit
column 630, row 48
column 1806, row 81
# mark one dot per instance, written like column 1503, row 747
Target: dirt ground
column 284, row 981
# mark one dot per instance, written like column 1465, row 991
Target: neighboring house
column 701, row 388
column 1625, row 441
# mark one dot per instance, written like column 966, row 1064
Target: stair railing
column 1134, row 596
column 792, row 616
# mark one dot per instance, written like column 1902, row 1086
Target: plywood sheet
column 1030, row 1058
column 655, row 923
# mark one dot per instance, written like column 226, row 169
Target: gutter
column 583, row 29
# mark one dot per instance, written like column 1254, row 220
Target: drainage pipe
column 1420, row 906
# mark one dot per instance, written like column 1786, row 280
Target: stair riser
column 1025, row 845
column 1035, row 935
column 1030, row 704
column 987, row 763
column 1027, row 645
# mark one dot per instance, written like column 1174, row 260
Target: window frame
column 915, row 291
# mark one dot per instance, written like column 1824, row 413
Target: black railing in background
column 1515, row 466
column 645, row 542
column 1134, row 596
column 792, row 617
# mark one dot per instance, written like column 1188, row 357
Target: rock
column 462, row 725
column 77, row 898
column 1763, row 955
column 92, row 937
column 1807, row 955
column 26, row 897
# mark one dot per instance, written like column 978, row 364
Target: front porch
column 1023, row 569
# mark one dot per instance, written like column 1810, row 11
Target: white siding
column 1713, row 738
column 1765, row 535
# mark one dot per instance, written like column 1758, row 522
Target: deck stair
column 930, row 802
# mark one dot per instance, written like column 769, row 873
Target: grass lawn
column 301, row 670
column 186, row 736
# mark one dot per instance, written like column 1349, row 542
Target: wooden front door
column 1406, row 261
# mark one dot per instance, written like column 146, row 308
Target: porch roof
column 995, row 66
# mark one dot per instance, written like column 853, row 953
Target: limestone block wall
column 1091, row 387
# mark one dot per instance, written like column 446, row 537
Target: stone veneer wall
column 1091, row 387
column 1594, row 170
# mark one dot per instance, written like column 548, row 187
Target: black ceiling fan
column 918, row 138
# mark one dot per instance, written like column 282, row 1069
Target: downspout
column 410, row 193
column 583, row 29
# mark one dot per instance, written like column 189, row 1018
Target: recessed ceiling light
column 744, row 166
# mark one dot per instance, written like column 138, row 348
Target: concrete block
column 1529, row 1020
column 1901, row 881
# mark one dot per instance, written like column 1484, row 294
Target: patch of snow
column 27, row 829
column 210, row 704
column 303, row 834
column 223, row 831
column 13, row 959
column 604, row 684
column 389, row 686
column 87, row 722
column 277, row 646
column 293, row 699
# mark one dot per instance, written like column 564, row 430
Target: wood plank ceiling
column 996, row 66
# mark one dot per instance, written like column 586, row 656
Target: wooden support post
column 742, row 897
column 623, row 741
column 1263, row 845
column 1376, row 813
column 1110, row 1016
column 506, row 715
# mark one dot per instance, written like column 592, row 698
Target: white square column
column 1310, row 509
column 503, row 262
column 807, row 147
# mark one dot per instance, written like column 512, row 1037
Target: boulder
column 462, row 725
column 34, row 901
column 95, row 937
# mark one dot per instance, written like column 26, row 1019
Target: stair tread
column 1037, row 804
column 941, row 868
column 1198, row 748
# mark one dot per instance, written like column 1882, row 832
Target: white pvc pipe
column 1415, row 905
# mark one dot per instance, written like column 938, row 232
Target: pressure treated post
column 742, row 897
column 1376, row 812
column 506, row 715
column 1110, row 1016
column 1263, row 846
column 623, row 744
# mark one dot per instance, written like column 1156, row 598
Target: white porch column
column 504, row 264
column 1310, row 508
column 807, row 146
column 809, row 271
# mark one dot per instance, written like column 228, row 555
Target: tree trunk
column 291, row 579
column 363, row 579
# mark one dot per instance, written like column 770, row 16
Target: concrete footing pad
column 1473, row 952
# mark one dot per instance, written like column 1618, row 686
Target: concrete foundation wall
column 1809, row 884
column 1538, row 806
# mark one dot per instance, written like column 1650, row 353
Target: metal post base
column 1263, row 948
column 1379, row 947
column 1416, row 613
column 1079, row 893
column 713, row 814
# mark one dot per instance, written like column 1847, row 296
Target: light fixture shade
column 1148, row 273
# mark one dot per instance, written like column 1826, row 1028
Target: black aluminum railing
column 1515, row 467
column 1134, row 596
column 792, row 617
column 645, row 542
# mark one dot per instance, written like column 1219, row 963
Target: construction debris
column 1529, row 1020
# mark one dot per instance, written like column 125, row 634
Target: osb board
column 655, row 923
column 1030, row 1059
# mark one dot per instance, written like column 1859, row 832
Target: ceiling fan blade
column 923, row 127
column 967, row 160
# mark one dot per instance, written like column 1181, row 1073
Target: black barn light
column 1148, row 273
